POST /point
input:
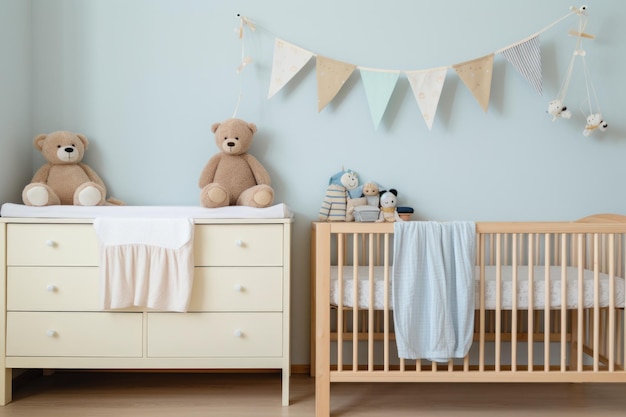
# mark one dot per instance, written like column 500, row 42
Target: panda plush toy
column 388, row 203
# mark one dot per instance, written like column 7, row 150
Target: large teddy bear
column 64, row 179
column 233, row 176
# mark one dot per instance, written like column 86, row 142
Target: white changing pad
column 490, row 288
column 278, row 211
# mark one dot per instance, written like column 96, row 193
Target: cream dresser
column 238, row 314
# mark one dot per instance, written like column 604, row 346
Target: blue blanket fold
column 433, row 289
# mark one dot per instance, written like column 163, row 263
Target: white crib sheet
column 277, row 211
column 490, row 288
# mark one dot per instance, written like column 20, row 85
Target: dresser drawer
column 74, row 334
column 44, row 288
column 52, row 244
column 215, row 335
column 237, row 289
column 239, row 245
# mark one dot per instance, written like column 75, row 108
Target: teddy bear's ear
column 38, row 141
column 83, row 139
column 214, row 127
column 252, row 127
column 393, row 191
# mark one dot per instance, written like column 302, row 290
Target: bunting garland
column 426, row 84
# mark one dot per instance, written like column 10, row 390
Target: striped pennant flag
column 526, row 58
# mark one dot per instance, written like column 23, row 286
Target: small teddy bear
column 388, row 212
column 595, row 121
column 557, row 110
column 233, row 176
column 64, row 179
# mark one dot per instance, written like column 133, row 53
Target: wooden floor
column 100, row 394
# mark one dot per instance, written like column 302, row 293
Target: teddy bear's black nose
column 70, row 150
column 231, row 144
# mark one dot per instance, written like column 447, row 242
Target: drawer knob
column 51, row 287
column 51, row 333
column 51, row 243
column 238, row 333
column 238, row 287
column 239, row 243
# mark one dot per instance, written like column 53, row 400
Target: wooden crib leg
column 322, row 322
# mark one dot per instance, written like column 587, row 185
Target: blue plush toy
column 342, row 186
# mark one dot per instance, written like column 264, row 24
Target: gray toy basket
column 366, row 213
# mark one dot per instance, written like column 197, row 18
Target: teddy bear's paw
column 38, row 196
column 89, row 196
column 214, row 196
column 263, row 198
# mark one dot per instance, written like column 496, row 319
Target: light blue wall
column 15, row 98
column 145, row 79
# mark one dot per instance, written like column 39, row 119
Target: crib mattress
column 506, row 303
column 277, row 211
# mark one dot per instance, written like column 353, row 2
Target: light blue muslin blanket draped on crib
column 433, row 289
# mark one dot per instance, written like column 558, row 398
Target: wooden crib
column 569, row 272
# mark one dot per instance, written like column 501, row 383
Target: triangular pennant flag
column 526, row 58
column 476, row 74
column 379, row 86
column 331, row 76
column 288, row 61
column 427, row 86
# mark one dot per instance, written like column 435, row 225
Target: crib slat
column 531, row 303
column 355, row 303
column 481, row 329
column 580, row 341
column 340, row 263
column 386, row 301
column 611, row 302
column 498, row 301
column 546, row 308
column 596, row 303
column 563, row 301
column 370, row 327
column 514, row 303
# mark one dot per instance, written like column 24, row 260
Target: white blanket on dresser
column 145, row 262
column 433, row 289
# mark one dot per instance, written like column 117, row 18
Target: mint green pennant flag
column 379, row 86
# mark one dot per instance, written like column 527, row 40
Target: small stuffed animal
column 557, row 110
column 371, row 192
column 340, row 185
column 65, row 179
column 388, row 212
column 595, row 121
column 233, row 176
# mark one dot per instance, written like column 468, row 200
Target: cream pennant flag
column 288, row 60
column 526, row 58
column 427, row 86
column 379, row 86
column 476, row 74
column 331, row 76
